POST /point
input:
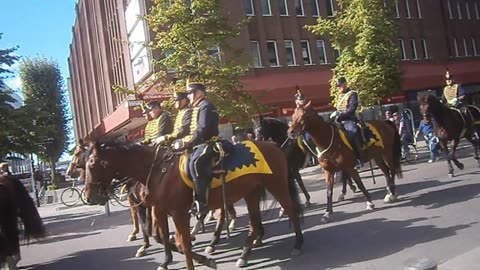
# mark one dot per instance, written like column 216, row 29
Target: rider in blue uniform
column 203, row 135
column 345, row 115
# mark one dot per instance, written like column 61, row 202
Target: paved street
column 435, row 217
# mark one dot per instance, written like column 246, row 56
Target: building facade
column 434, row 35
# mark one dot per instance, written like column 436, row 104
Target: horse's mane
column 122, row 147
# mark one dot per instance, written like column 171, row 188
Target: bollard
column 107, row 209
column 422, row 263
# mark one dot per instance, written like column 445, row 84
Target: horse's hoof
column 308, row 204
column 209, row 249
column 461, row 166
column 281, row 213
column 389, row 198
column 162, row 268
column 451, row 175
column 296, row 252
column 141, row 252
column 257, row 243
column 233, row 224
column 212, row 263
column 132, row 237
column 370, row 206
column 325, row 218
column 241, row 263
column 341, row 197
column 209, row 217
column 354, row 189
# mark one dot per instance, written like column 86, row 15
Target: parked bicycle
column 73, row 195
column 119, row 196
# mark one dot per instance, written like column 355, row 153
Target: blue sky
column 39, row 28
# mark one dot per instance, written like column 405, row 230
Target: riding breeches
column 201, row 162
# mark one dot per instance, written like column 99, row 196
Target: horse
column 138, row 209
column 335, row 154
column 268, row 128
column 15, row 202
column 171, row 196
column 450, row 124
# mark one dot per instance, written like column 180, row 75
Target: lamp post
column 44, row 141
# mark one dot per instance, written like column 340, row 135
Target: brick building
column 434, row 34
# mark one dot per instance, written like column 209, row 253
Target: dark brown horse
column 336, row 156
column 173, row 197
column 451, row 125
column 16, row 202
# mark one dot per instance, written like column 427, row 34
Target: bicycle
column 120, row 193
column 72, row 196
column 411, row 154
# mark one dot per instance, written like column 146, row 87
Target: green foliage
column 365, row 32
column 45, row 100
column 7, row 59
column 185, row 32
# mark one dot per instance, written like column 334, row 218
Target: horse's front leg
column 444, row 146
column 454, row 158
column 344, row 180
column 329, row 181
column 218, row 231
column 134, row 213
column 253, row 206
column 300, row 183
column 146, row 223
column 161, row 224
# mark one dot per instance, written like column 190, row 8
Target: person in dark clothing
column 202, row 138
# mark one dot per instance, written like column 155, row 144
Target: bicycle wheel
column 120, row 196
column 411, row 155
column 70, row 196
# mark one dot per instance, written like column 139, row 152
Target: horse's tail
column 397, row 152
column 33, row 225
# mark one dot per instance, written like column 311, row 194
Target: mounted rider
column 345, row 115
column 181, row 127
column 453, row 93
column 202, row 138
column 159, row 123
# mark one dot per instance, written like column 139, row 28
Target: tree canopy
column 192, row 37
column 365, row 32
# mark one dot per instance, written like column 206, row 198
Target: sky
column 40, row 28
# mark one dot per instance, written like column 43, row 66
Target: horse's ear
column 308, row 104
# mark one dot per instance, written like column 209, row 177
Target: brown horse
column 451, row 125
column 336, row 156
column 173, row 197
column 15, row 202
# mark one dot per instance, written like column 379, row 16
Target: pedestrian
column 234, row 139
column 405, row 131
column 5, row 170
column 388, row 116
column 250, row 137
column 426, row 128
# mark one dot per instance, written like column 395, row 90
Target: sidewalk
column 466, row 261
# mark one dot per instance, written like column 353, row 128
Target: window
column 424, row 49
column 272, row 53
column 299, row 8
column 397, row 12
column 336, row 54
column 476, row 11
column 249, row 10
column 329, row 8
column 419, row 9
column 255, row 53
column 455, row 47
column 407, row 9
column 449, row 6
column 266, row 8
column 307, row 57
column 315, row 11
column 414, row 49
column 282, row 5
column 467, row 7
column 290, row 53
column 322, row 56
column 402, row 50
column 474, row 46
column 459, row 10
column 465, row 47
column 214, row 52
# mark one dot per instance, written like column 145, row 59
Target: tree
column 186, row 34
column 365, row 32
column 7, row 59
column 45, row 100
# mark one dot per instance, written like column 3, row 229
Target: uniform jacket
column 451, row 92
column 181, row 127
column 347, row 106
column 157, row 127
column 204, row 124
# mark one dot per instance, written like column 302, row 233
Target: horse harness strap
column 320, row 153
column 166, row 157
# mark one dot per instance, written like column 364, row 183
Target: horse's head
column 299, row 119
column 430, row 105
column 79, row 159
column 101, row 167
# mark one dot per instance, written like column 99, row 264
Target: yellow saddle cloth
column 372, row 136
column 244, row 159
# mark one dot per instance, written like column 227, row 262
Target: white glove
column 334, row 114
column 453, row 101
column 160, row 140
column 178, row 144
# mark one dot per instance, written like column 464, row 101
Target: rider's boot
column 200, row 206
column 357, row 149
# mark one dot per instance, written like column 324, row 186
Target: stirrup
column 359, row 164
column 195, row 209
